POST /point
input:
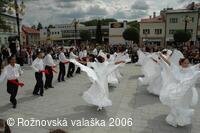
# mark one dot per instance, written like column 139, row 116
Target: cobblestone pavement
column 64, row 101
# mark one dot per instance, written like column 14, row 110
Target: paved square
column 64, row 101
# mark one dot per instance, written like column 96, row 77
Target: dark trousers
column 62, row 72
column 49, row 77
column 12, row 89
column 78, row 70
column 71, row 69
column 39, row 84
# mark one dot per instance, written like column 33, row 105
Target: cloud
column 140, row 5
column 64, row 11
column 96, row 10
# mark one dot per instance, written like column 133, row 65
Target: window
column 173, row 20
column 158, row 31
column 192, row 19
column 172, row 31
column 190, row 30
column 146, row 31
column 5, row 40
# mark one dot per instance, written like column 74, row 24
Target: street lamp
column 75, row 24
column 18, row 9
column 187, row 19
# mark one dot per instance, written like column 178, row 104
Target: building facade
column 152, row 31
column 65, row 33
column 11, row 32
column 116, row 30
column 159, row 30
column 181, row 19
column 31, row 37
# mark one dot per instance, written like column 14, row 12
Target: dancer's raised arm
column 164, row 59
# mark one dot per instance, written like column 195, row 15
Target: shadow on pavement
column 142, row 97
column 19, row 101
column 82, row 113
column 158, row 125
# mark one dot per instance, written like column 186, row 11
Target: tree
column 85, row 35
column 33, row 27
column 94, row 22
column 134, row 24
column 99, row 32
column 181, row 36
column 131, row 34
column 39, row 27
column 51, row 26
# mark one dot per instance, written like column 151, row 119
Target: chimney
column 150, row 17
column 154, row 14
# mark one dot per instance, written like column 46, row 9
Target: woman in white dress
column 150, row 69
column 98, row 72
column 141, row 58
column 155, row 84
column 178, row 91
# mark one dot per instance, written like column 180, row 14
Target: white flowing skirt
column 179, row 99
column 155, row 86
column 112, row 78
column 97, row 95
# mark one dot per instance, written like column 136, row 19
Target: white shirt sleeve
column 34, row 65
column 49, row 61
column 62, row 57
column 73, row 56
column 80, row 54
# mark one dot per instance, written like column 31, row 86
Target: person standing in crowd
column 85, row 52
column 71, row 65
column 95, row 52
column 38, row 66
column 49, row 66
column 12, row 72
column 30, row 55
column 81, row 53
column 63, row 61
column 4, row 128
column 6, row 54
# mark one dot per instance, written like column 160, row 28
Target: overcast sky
column 64, row 11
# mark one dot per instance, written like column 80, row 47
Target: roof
column 157, row 19
column 30, row 30
column 181, row 11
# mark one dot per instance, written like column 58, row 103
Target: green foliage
column 94, row 22
column 33, row 27
column 181, row 36
column 134, row 24
column 39, row 26
column 51, row 26
column 131, row 34
column 99, row 33
column 85, row 35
